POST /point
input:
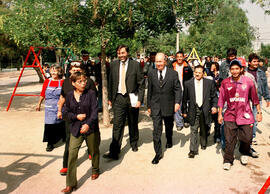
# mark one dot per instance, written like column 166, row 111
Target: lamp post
column 179, row 25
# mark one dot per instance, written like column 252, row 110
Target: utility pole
column 177, row 41
column 179, row 25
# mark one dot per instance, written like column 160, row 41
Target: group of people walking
column 175, row 92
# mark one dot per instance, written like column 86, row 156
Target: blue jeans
column 179, row 121
column 222, row 128
column 222, row 136
column 254, row 111
column 99, row 97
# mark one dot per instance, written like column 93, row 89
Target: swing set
column 36, row 64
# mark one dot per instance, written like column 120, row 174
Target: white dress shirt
column 199, row 91
column 163, row 73
column 120, row 74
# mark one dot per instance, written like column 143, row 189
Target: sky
column 260, row 21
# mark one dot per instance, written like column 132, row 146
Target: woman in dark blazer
column 82, row 111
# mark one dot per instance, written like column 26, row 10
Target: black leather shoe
column 111, row 156
column 168, row 145
column 203, row 147
column 156, row 159
column 49, row 148
column 179, row 128
column 134, row 148
column 186, row 125
column 192, row 154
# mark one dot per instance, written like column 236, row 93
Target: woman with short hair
column 82, row 112
column 54, row 129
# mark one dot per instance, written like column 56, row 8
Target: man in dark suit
column 87, row 66
column 126, row 79
column 163, row 100
column 150, row 65
column 200, row 96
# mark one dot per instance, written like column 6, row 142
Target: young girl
column 82, row 112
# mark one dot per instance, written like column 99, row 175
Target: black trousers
column 231, row 132
column 199, row 123
column 66, row 152
column 217, row 126
column 158, row 127
column 122, row 110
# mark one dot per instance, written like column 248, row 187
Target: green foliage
column 139, row 24
column 265, row 50
column 36, row 23
column 10, row 52
column 265, row 4
column 228, row 28
column 199, row 11
column 163, row 43
column 64, row 23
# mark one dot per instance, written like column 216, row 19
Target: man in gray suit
column 126, row 77
column 163, row 100
column 199, row 101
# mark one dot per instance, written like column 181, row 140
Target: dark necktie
column 160, row 78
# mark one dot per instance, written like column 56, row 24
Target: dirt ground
column 25, row 166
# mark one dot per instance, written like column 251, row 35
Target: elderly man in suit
column 126, row 85
column 163, row 100
column 200, row 96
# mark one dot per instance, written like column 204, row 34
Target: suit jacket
column 87, row 105
column 189, row 100
column 148, row 66
column 161, row 99
column 88, row 68
column 134, row 80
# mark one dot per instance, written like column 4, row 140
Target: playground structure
column 194, row 56
column 36, row 64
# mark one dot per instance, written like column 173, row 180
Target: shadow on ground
column 17, row 172
column 24, row 103
column 145, row 137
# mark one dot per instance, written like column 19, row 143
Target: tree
column 9, row 50
column 163, row 43
column 229, row 27
column 114, row 20
column 76, row 24
column 265, row 50
column 186, row 13
column 265, row 4
column 26, row 26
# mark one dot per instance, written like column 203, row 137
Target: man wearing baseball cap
column 237, row 90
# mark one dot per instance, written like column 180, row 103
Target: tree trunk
column 106, row 114
column 41, row 60
column 177, row 41
column 41, row 78
column 58, row 54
